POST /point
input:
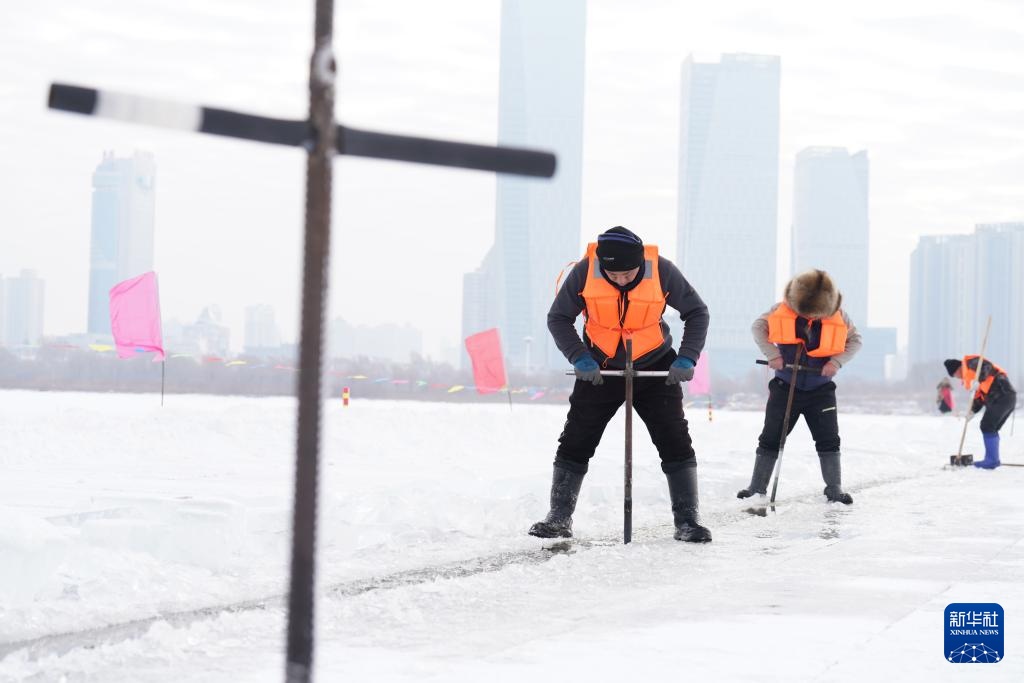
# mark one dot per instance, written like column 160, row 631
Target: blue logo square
column 974, row 633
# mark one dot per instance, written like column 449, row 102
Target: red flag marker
column 484, row 350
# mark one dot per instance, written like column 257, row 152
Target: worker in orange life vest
column 622, row 288
column 809, row 320
column 994, row 393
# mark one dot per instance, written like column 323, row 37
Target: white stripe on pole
column 123, row 107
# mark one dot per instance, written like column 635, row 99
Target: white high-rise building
column 999, row 271
column 537, row 221
column 956, row 283
column 942, row 296
column 122, row 229
column 831, row 231
column 728, row 197
column 477, row 312
column 23, row 299
column 261, row 333
column 830, row 222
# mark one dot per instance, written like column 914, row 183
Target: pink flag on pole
column 484, row 350
column 701, row 382
column 135, row 317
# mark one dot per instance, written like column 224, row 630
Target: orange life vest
column 605, row 324
column 782, row 330
column 968, row 375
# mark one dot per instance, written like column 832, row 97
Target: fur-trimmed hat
column 813, row 295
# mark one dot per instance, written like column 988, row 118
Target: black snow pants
column 818, row 406
column 660, row 406
column 997, row 411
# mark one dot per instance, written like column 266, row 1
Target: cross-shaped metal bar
column 322, row 138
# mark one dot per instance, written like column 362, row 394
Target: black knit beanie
column 952, row 365
column 618, row 249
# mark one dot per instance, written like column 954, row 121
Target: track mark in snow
column 61, row 643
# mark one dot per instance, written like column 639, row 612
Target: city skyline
column 931, row 91
column 962, row 281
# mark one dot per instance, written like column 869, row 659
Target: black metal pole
column 314, row 294
column 785, row 420
column 627, row 503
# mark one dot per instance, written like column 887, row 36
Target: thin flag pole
column 163, row 372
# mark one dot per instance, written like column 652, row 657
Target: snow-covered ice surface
column 140, row 543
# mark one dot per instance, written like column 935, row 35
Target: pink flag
column 135, row 316
column 701, row 382
column 488, row 364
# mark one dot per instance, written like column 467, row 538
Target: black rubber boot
column 682, row 490
column 764, row 464
column 832, row 473
column 565, row 489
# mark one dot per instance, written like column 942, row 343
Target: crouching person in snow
column 622, row 288
column 809, row 319
column 995, row 394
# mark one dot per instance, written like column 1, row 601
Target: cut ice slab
column 207, row 532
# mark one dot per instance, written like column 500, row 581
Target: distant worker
column 944, row 396
column 994, row 393
column 808, row 320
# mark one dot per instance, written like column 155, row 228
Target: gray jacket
column 680, row 295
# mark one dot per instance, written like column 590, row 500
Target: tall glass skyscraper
column 830, row 222
column 999, row 267
column 537, row 221
column 942, row 302
column 261, row 333
column 831, row 231
column 956, row 283
column 22, row 309
column 122, row 229
column 728, row 197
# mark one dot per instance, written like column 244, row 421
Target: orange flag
column 484, row 350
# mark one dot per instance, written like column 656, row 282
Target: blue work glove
column 681, row 370
column 587, row 370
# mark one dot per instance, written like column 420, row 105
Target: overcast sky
column 933, row 90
